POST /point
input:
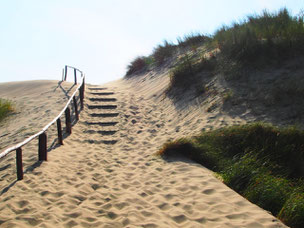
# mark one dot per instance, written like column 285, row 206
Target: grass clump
column 262, row 162
column 188, row 148
column 228, row 95
column 139, row 64
column 193, row 40
column 179, row 147
column 183, row 75
column 262, row 39
column 256, row 42
column 268, row 191
column 292, row 212
column 6, row 107
column 163, row 52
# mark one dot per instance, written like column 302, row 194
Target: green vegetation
column 193, row 40
column 139, row 64
column 257, row 42
column 262, row 162
column 163, row 52
column 260, row 40
column 5, row 108
column 183, row 75
column 228, row 95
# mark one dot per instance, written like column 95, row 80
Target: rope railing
column 42, row 144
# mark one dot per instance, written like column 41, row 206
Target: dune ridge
column 106, row 173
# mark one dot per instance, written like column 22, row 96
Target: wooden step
column 104, row 114
column 103, row 99
column 102, row 93
column 97, row 88
column 108, row 142
column 100, row 132
column 103, row 124
column 102, row 106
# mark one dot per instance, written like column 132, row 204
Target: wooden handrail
column 18, row 146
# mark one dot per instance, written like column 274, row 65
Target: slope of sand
column 36, row 104
column 106, row 173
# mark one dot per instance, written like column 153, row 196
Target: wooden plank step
column 102, row 93
column 100, row 132
column 103, row 99
column 104, row 114
column 97, row 88
column 108, row 142
column 103, row 124
column 102, row 106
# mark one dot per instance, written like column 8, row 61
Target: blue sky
column 101, row 37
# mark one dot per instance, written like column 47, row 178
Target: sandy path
column 105, row 174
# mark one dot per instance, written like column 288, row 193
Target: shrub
column 6, row 107
column 138, row 64
column 184, row 74
column 261, row 162
column 193, row 40
column 228, row 95
column 240, row 173
column 261, row 40
column 269, row 192
column 178, row 147
column 163, row 52
column 188, row 148
column 292, row 213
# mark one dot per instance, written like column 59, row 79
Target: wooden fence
column 42, row 136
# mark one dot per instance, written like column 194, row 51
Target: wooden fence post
column 75, row 76
column 59, row 130
column 83, row 83
column 43, row 147
column 68, row 121
column 81, row 93
column 19, row 164
column 65, row 72
column 76, row 108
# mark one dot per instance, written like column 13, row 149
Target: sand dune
column 106, row 173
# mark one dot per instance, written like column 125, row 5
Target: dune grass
column 183, row 75
column 269, row 35
column 139, row 64
column 6, row 107
column 163, row 52
column 261, row 162
column 258, row 41
column 193, row 40
column 261, row 40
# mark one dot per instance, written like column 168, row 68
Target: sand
column 106, row 173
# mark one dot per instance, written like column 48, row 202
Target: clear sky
column 101, row 37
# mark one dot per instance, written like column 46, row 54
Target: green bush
column 262, row 39
column 138, row 64
column 178, row 147
column 163, row 52
column 240, row 173
column 6, row 107
column 269, row 192
column 193, row 40
column 292, row 213
column 260, row 161
column 183, row 75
